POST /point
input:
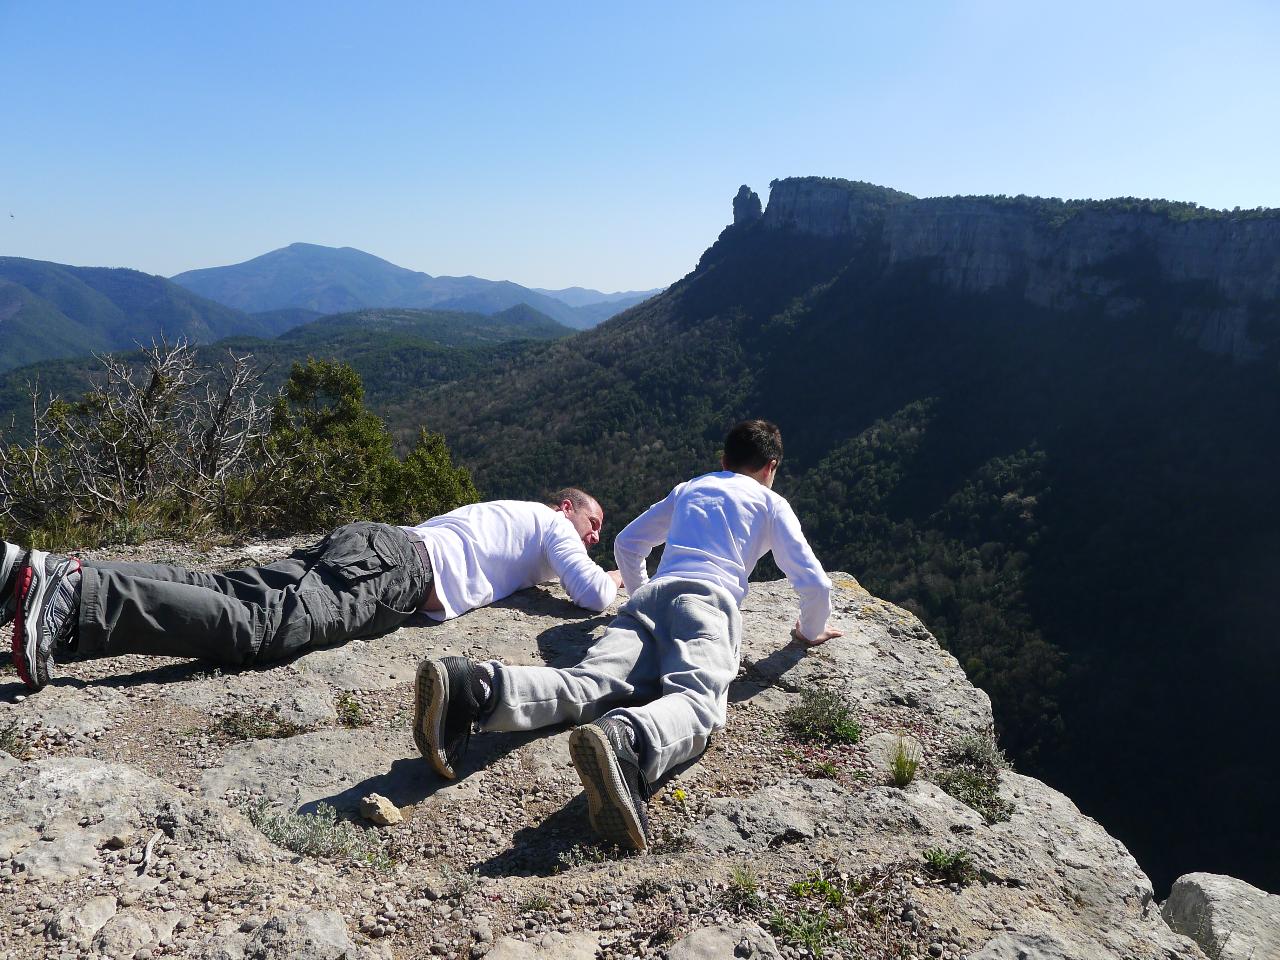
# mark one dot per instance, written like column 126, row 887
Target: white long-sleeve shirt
column 486, row 551
column 717, row 527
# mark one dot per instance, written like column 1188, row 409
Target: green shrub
column 257, row 723
column 953, row 866
column 350, row 713
column 825, row 770
column 743, row 895
column 535, row 903
column 583, row 853
column 12, row 740
column 904, row 763
column 166, row 446
column 821, row 715
column 971, row 774
column 818, row 886
column 319, row 834
column 812, row 930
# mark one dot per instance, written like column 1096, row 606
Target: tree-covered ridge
column 52, row 310
column 395, row 353
column 1053, row 211
column 860, row 190
column 1056, row 212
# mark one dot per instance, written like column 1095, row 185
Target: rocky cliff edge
column 1219, row 272
column 138, row 795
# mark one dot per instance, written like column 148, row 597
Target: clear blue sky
column 557, row 144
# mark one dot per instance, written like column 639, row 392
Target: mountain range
column 1050, row 428
column 52, row 310
column 337, row 280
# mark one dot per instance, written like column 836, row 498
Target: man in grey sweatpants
column 651, row 691
column 362, row 580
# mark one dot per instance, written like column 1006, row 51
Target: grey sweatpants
column 362, row 580
column 671, row 654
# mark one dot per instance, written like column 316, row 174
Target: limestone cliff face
column 1223, row 272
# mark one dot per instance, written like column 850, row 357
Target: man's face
column 587, row 521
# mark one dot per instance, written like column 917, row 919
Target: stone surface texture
column 1230, row 919
column 135, row 822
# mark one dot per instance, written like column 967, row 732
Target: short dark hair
column 580, row 499
column 751, row 444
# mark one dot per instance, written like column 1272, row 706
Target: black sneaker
column 12, row 558
column 48, row 595
column 447, row 702
column 609, row 768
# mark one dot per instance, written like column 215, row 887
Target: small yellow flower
column 678, row 795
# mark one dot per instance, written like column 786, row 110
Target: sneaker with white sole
column 448, row 700
column 605, row 757
column 12, row 557
column 48, row 604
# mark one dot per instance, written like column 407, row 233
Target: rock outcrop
column 135, row 822
column 1230, row 919
column 746, row 206
column 1225, row 270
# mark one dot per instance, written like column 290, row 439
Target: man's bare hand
column 828, row 633
column 616, row 577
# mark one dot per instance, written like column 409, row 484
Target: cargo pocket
column 359, row 552
column 363, row 585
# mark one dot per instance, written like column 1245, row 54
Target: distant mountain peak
column 329, row 280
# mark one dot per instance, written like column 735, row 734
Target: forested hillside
column 50, row 310
column 396, row 353
column 1022, row 419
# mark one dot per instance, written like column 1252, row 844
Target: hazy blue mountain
column 335, row 280
column 52, row 310
column 585, row 296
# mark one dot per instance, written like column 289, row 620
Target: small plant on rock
column 458, row 883
column 819, row 887
column 972, row 775
column 743, row 894
column 825, row 770
column 318, row 834
column 583, row 853
column 904, row 763
column 350, row 713
column 535, row 903
column 256, row 723
column 12, row 740
column 953, row 866
column 811, row 930
column 822, row 716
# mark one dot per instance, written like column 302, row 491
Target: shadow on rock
column 411, row 780
column 767, row 672
column 546, row 848
column 162, row 673
column 565, row 644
